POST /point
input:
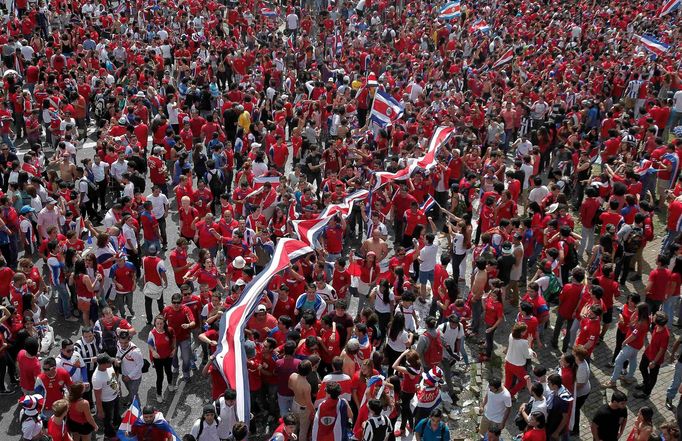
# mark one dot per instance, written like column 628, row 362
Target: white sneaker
column 172, row 387
column 159, row 398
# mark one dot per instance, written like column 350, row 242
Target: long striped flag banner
column 230, row 354
column 669, row 6
column 504, row 59
column 450, row 10
column 651, row 44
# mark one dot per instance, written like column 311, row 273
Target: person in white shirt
column 292, row 24
column 206, row 427
column 131, row 361
column 496, row 406
column 427, row 264
column 227, row 413
column 106, row 388
column 31, row 424
column 539, row 191
column 160, row 206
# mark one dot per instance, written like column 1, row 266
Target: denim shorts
column 426, row 276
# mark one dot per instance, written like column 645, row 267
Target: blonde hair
column 60, row 407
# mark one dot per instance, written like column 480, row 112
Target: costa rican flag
column 439, row 138
column 645, row 168
column 290, row 42
column 650, row 43
column 450, row 10
column 383, row 178
column 428, row 204
column 230, row 355
column 131, row 418
column 309, row 230
column 385, row 109
column 675, row 162
column 504, row 59
column 669, row 6
column 479, row 26
column 270, row 13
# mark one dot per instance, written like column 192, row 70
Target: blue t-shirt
column 442, row 433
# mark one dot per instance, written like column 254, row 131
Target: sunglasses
column 176, row 303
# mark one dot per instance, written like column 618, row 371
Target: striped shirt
column 632, row 90
column 88, row 352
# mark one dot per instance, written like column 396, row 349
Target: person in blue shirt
column 493, row 434
column 432, row 428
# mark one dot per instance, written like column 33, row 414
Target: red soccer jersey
column 29, row 369
column 162, row 342
column 589, row 331
column 659, row 341
column 177, row 318
column 659, row 278
column 52, row 389
column 639, row 332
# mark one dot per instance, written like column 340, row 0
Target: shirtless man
column 480, row 280
column 349, row 356
column 302, row 405
column 376, row 244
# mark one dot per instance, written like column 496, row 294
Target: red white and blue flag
column 650, row 43
column 131, row 418
column 479, row 26
column 385, row 109
column 230, row 355
column 669, row 6
column 290, row 42
column 308, row 230
column 504, row 59
column 450, row 10
column 268, row 12
column 646, row 167
column 428, row 204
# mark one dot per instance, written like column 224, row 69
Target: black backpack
column 634, row 240
column 571, row 259
column 109, row 337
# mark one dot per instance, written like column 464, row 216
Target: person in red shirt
column 414, row 221
column 148, row 430
column 206, row 235
column 611, row 217
column 568, row 304
column 181, row 320
column 654, row 354
column 52, row 384
column 29, row 365
column 494, row 315
column 658, row 286
column 179, row 261
column 401, row 204
column 188, row 217
column 611, row 290
column 526, row 316
column 589, row 329
column 56, row 426
column 162, row 346
column 329, row 341
column 631, row 346
column 262, row 322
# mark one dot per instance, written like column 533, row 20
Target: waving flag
column 675, row 163
column 650, row 43
column 230, row 354
column 450, row 10
column 290, row 42
column 428, row 204
column 270, row 13
column 308, row 230
column 385, row 109
column 669, row 6
column 504, row 59
column 479, row 26
column 132, row 417
column 645, row 168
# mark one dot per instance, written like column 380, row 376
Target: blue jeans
column 627, row 353
column 6, row 139
column 677, row 380
column 669, row 239
column 185, row 351
column 426, row 276
column 64, row 300
column 284, row 404
column 669, row 307
column 329, row 264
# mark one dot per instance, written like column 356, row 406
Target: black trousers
column 405, row 411
column 649, row 375
column 578, row 405
column 161, row 366
column 162, row 229
column 148, row 307
column 6, row 363
column 112, row 417
column 557, row 332
column 101, row 199
column 623, row 267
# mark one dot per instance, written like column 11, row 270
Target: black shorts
column 82, row 429
column 607, row 317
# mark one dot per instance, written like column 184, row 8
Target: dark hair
column 397, row 326
column 618, row 397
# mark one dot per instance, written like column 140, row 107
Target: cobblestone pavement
column 600, row 372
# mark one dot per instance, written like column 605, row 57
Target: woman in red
column 56, row 426
column 567, row 370
column 536, row 426
column 79, row 419
column 206, row 273
column 494, row 315
column 85, row 289
column 411, row 375
column 369, row 273
column 644, row 426
column 278, row 224
column 161, row 343
column 359, row 381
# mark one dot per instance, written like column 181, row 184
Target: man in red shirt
column 588, row 209
column 673, row 226
column 657, row 286
column 611, row 290
column 568, row 303
column 588, row 333
column 611, row 217
column 124, row 275
column 414, row 220
column 181, row 320
column 654, row 354
column 332, row 238
column 179, row 261
column 52, row 384
column 401, row 204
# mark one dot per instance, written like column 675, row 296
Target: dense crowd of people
column 225, row 123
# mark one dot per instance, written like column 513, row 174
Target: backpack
column 109, row 338
column 442, row 430
column 571, row 259
column 553, row 288
column 634, row 240
column 100, row 105
column 201, row 425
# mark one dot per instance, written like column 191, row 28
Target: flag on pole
column 479, row 26
column 230, row 355
column 669, row 6
column 428, row 204
column 650, row 43
column 132, row 418
column 385, row 109
column 504, row 59
column 270, row 13
column 450, row 10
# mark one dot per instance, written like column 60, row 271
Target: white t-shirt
column 527, row 174
column 99, row 170
column 173, row 113
column 497, row 405
column 107, row 382
column 677, row 101
column 83, row 188
column 129, row 234
column 583, row 376
column 400, row 343
column 129, row 190
column 209, row 432
column 537, row 194
column 379, row 305
column 158, row 204
column 427, row 257
column 31, row 427
column 292, row 21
